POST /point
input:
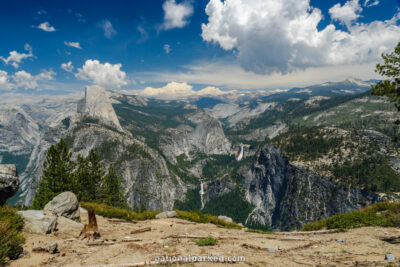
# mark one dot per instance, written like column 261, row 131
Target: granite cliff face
column 97, row 104
column 287, row 197
column 147, row 178
column 207, row 136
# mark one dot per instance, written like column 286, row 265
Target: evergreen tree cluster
column 87, row 178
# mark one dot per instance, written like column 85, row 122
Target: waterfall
column 201, row 195
column 239, row 158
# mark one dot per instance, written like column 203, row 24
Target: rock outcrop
column 97, row 104
column 36, row 221
column 287, row 197
column 206, row 137
column 65, row 204
column 8, row 182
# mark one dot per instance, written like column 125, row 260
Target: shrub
column 197, row 216
column 379, row 214
column 120, row 213
column 129, row 215
column 11, row 238
column 208, row 241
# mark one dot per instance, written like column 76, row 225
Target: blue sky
column 241, row 45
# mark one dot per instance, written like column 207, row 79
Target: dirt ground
column 174, row 237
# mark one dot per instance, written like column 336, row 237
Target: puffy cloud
column 45, row 26
column 108, row 29
column 282, row 36
column 67, row 66
column 73, row 44
column 368, row 3
column 167, row 48
column 174, row 90
column 347, row 13
column 4, row 81
column 176, row 15
column 16, row 58
column 26, row 80
column 107, row 75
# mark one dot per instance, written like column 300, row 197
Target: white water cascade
column 201, row 194
column 240, row 157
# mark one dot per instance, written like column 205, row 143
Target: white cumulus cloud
column 4, row 81
column 176, row 15
column 282, row 36
column 174, row 90
column 109, row 31
column 73, row 44
column 45, row 26
column 346, row 13
column 67, row 66
column 26, row 80
column 107, row 75
column 16, row 58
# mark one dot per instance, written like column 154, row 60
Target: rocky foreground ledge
column 144, row 243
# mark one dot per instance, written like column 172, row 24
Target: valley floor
column 174, row 237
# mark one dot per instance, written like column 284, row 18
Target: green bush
column 197, row 216
column 379, row 214
column 11, row 238
column 208, row 241
column 120, row 213
column 129, row 215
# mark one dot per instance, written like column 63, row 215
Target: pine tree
column 391, row 69
column 57, row 174
column 112, row 189
column 88, row 177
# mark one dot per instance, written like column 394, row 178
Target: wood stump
column 90, row 230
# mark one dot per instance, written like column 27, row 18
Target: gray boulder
column 225, row 218
column 166, row 214
column 66, row 205
column 8, row 182
column 35, row 221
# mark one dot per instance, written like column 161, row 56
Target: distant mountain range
column 302, row 145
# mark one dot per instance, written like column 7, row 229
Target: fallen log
column 141, row 230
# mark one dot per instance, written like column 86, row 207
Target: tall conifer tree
column 57, row 174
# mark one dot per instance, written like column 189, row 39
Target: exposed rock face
column 8, row 182
column 147, row 178
column 287, row 196
column 97, row 104
column 217, row 188
column 35, row 221
column 65, row 204
column 207, row 137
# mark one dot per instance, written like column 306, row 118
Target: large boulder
column 65, row 204
column 8, row 182
column 67, row 226
column 35, row 221
column 166, row 214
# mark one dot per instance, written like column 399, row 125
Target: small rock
column 225, row 218
column 45, row 247
column 66, row 205
column 271, row 250
column 241, row 224
column 35, row 221
column 341, row 240
column 166, row 214
column 389, row 257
